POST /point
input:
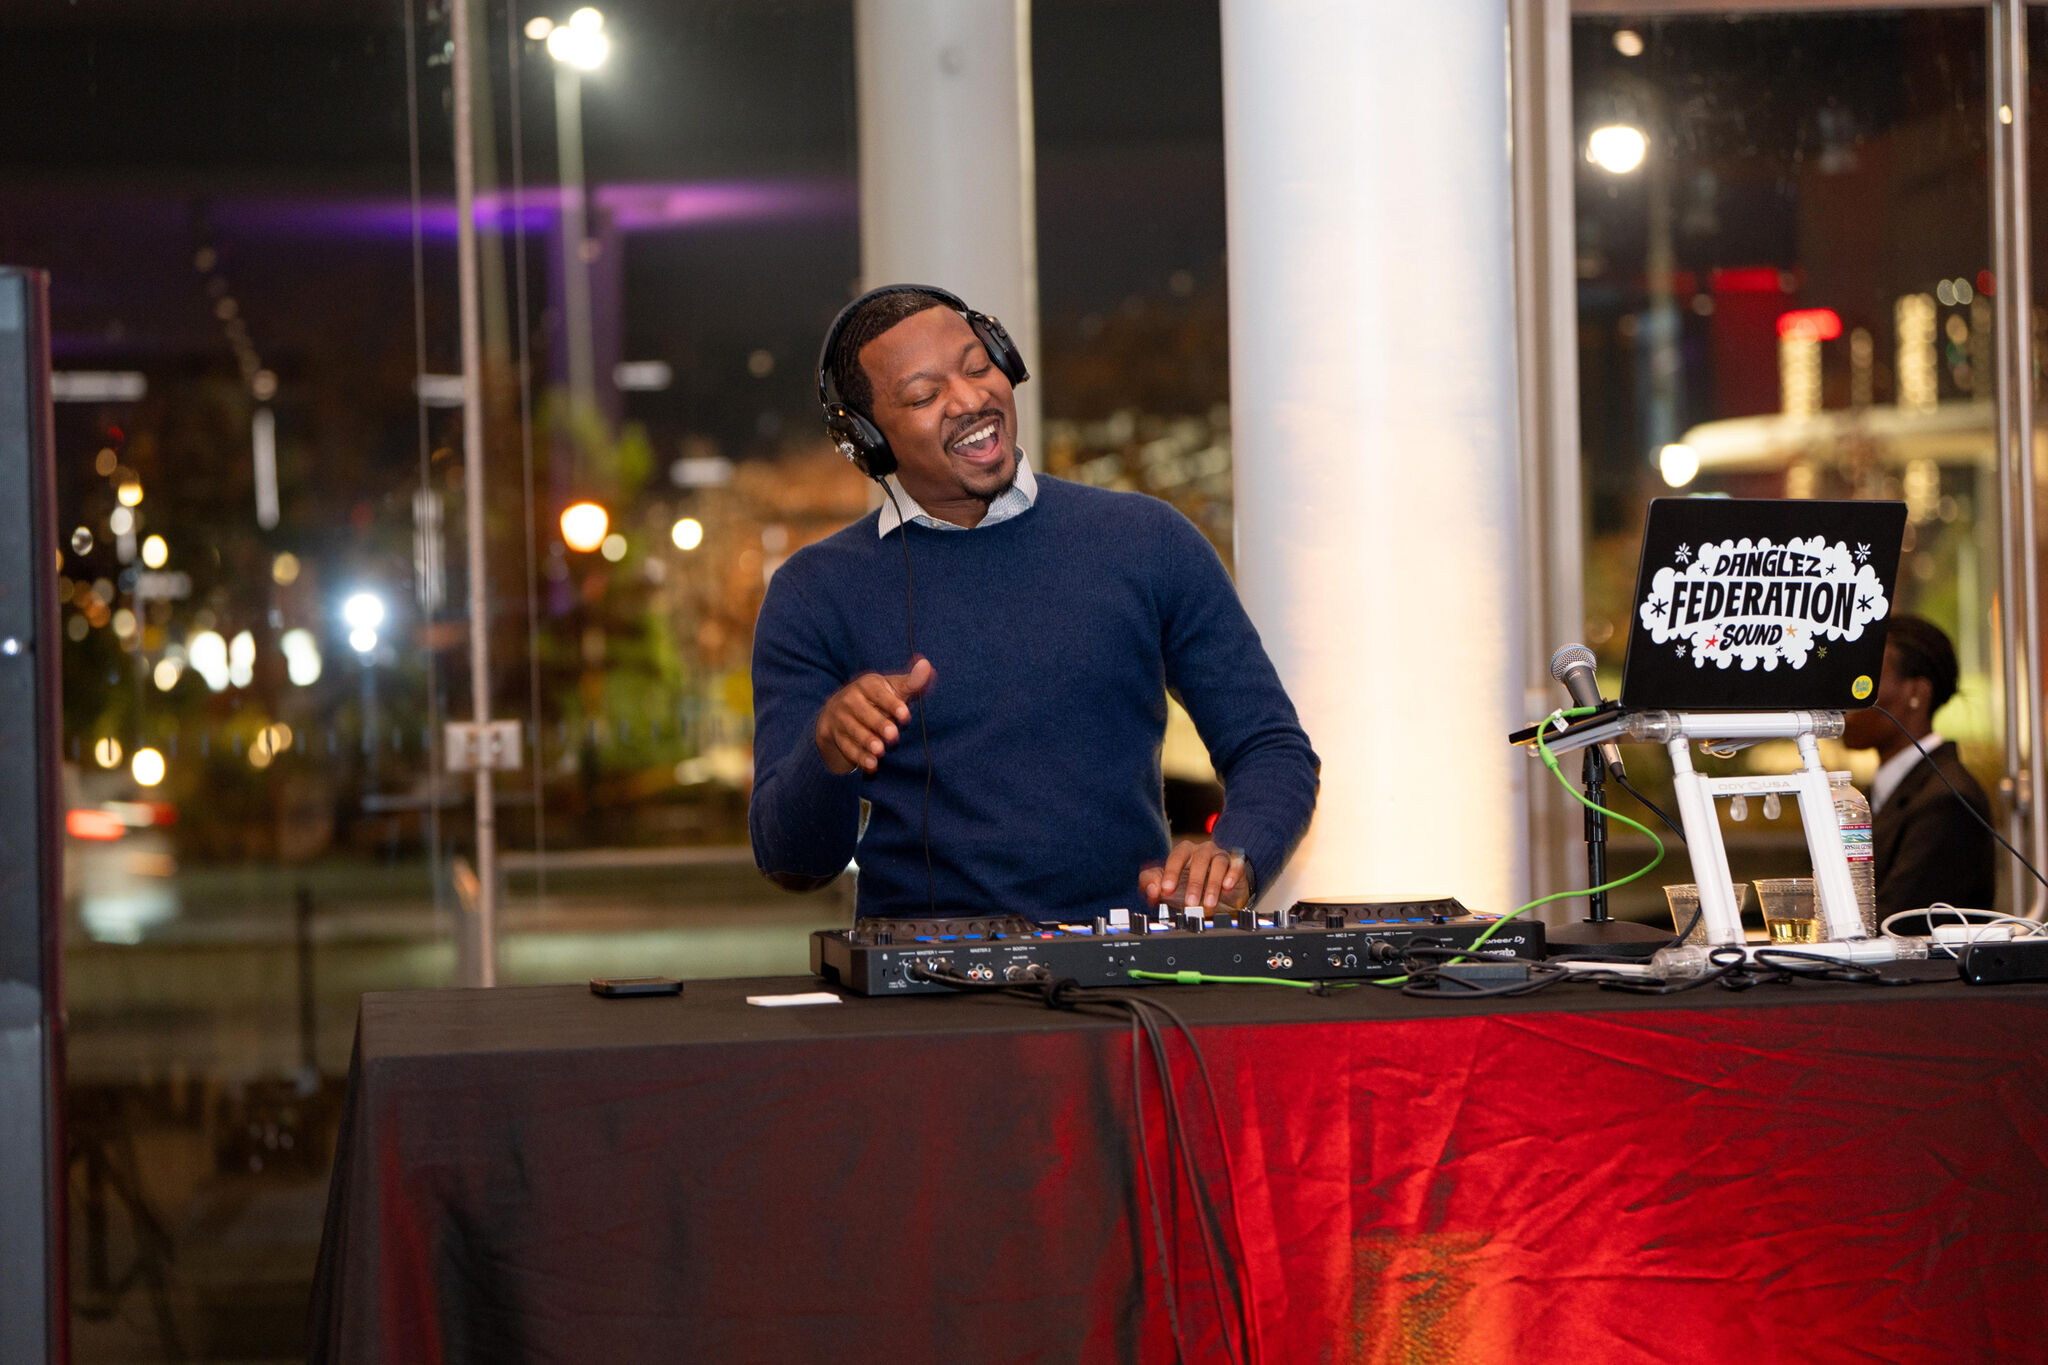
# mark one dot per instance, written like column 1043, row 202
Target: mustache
column 967, row 424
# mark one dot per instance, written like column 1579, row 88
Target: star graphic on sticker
column 1863, row 604
column 1657, row 605
column 1681, row 651
column 1862, row 552
column 1822, row 651
column 1685, row 554
column 1713, row 640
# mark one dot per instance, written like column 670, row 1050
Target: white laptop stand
column 1722, row 731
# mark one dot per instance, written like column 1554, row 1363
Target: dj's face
column 949, row 414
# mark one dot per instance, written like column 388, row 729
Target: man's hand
column 858, row 724
column 1199, row 872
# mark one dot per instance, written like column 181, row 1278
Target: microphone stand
column 1593, row 777
column 1599, row 931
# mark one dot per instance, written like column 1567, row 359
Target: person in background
column 1925, row 845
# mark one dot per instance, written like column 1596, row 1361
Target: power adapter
column 1997, row 964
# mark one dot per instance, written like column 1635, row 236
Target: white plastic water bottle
column 1852, row 816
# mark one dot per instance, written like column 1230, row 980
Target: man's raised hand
column 858, row 724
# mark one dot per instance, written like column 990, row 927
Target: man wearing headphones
column 984, row 662
column 1924, row 845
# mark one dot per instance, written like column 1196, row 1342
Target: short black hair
column 869, row 321
column 1922, row 650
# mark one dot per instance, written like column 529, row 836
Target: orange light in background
column 584, row 525
column 1810, row 324
column 86, row 823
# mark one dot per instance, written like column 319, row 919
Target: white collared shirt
column 1014, row 501
column 1893, row 770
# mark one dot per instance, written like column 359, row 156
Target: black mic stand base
column 1619, row 936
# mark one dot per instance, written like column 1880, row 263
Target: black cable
column 931, row 895
column 1248, row 1310
column 1224, row 1271
column 1152, row 1192
column 1928, row 758
column 1207, row 1222
column 1650, row 806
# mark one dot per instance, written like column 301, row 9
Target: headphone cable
column 931, row 897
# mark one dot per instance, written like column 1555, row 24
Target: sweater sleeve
column 803, row 818
column 1218, row 668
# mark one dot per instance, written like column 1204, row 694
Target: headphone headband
column 827, row 394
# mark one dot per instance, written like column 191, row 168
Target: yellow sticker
column 1860, row 689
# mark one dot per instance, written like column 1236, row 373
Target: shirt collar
column 1014, row 501
column 1893, row 770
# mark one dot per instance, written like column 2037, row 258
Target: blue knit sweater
column 1055, row 638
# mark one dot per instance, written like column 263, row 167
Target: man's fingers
column 883, row 694
column 915, row 682
column 872, row 713
column 1148, row 882
column 1176, row 865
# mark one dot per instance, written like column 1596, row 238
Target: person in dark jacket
column 1926, row 846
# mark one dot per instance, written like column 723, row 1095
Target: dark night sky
column 151, row 126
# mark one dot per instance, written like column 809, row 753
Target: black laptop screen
column 1762, row 604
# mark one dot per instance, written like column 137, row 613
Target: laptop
column 1761, row 604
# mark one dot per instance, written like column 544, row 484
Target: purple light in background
column 651, row 207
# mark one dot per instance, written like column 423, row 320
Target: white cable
column 1964, row 916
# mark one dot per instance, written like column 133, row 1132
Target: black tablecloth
column 1812, row 1171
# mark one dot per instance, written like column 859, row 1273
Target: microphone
column 1573, row 667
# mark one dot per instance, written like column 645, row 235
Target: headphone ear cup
column 1003, row 352
column 860, row 441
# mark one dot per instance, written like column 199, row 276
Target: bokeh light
column 584, row 523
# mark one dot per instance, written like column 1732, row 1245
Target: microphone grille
column 1568, row 658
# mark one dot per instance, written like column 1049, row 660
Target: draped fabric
column 1800, row 1173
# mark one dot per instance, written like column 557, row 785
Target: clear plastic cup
column 1791, row 910
column 1685, row 899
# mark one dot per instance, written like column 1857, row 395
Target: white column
column 1373, row 407
column 947, row 176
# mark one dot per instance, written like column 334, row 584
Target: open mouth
column 980, row 441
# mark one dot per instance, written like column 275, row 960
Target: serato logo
column 1759, row 603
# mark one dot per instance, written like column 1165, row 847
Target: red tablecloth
column 1800, row 1174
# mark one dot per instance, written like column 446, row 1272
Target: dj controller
column 1314, row 940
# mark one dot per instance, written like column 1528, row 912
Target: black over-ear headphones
column 857, row 437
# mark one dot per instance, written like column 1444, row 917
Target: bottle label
column 1856, row 843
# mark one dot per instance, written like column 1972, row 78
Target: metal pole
column 2021, row 291
column 473, row 491
column 2020, row 617
column 575, row 229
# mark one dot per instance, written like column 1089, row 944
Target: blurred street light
column 107, row 753
column 129, row 493
column 363, row 612
column 687, row 533
column 147, row 767
column 155, row 553
column 581, row 42
column 1678, row 463
column 301, row 656
column 584, row 525
column 1617, row 148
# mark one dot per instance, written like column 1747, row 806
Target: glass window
column 1785, row 291
column 250, row 225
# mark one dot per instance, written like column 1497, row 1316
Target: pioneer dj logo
column 1760, row 603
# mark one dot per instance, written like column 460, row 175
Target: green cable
column 1550, row 762
column 1204, row 979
